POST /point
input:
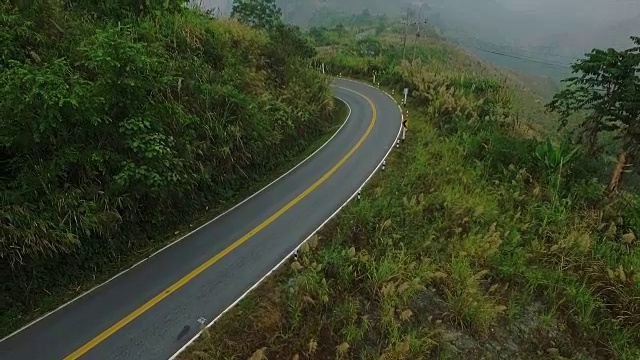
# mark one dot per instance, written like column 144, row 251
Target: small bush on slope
column 116, row 129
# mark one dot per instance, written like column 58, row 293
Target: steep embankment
column 120, row 125
column 478, row 242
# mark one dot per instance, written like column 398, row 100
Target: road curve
column 153, row 309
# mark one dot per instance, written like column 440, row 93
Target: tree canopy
column 607, row 90
column 261, row 14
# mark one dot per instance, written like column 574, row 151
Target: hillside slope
column 476, row 243
column 122, row 124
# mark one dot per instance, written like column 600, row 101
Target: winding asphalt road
column 152, row 310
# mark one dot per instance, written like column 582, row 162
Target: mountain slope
column 474, row 244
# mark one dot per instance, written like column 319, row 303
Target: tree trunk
column 616, row 175
column 593, row 143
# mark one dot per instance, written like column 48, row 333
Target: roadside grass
column 475, row 243
column 12, row 319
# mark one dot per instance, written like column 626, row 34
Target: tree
column 288, row 46
column 261, row 14
column 607, row 89
column 368, row 47
column 291, row 42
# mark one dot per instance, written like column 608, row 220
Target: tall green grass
column 477, row 242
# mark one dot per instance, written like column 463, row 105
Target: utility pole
column 285, row 10
column 406, row 33
column 417, row 34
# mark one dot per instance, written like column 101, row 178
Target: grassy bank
column 122, row 126
column 478, row 242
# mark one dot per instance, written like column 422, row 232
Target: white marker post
column 384, row 165
column 203, row 322
column 359, row 193
column 323, row 68
column 406, row 93
column 405, row 126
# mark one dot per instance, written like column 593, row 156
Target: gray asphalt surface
column 163, row 329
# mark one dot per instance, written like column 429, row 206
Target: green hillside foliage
column 341, row 49
column 606, row 89
column 479, row 241
column 119, row 123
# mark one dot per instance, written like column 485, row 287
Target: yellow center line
column 180, row 283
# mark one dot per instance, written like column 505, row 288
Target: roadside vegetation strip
column 472, row 242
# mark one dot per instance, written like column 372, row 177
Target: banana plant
column 554, row 159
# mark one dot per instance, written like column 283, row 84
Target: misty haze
column 538, row 36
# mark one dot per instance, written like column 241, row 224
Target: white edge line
column 188, row 234
column 305, row 240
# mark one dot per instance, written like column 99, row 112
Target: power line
column 417, row 22
column 406, row 33
column 537, row 61
column 519, row 50
column 571, row 58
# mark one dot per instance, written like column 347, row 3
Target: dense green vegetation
column 121, row 121
column 607, row 90
column 480, row 241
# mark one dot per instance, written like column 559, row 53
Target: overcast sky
column 597, row 10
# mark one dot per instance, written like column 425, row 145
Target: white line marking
column 188, row 234
column 304, row 241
